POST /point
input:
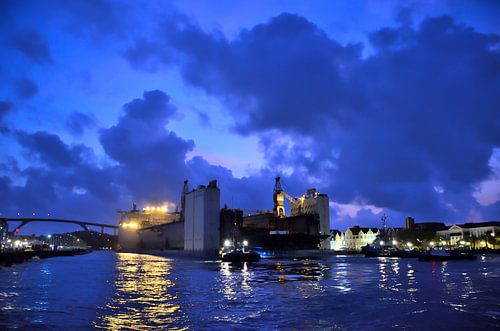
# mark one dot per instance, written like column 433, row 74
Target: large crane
column 279, row 196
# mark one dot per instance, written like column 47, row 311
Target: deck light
column 381, row 242
column 227, row 243
column 394, row 242
column 245, row 243
column 409, row 244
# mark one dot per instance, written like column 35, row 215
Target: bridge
column 83, row 224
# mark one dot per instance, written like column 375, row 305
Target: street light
column 49, row 236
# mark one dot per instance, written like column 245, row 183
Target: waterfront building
column 353, row 239
column 476, row 235
column 423, row 228
column 4, row 229
column 61, row 241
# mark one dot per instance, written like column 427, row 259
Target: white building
column 353, row 239
column 314, row 203
column 201, row 220
column 476, row 235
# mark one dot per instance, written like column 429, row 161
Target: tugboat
column 235, row 251
column 440, row 254
column 377, row 249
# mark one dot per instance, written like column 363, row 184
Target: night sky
column 386, row 106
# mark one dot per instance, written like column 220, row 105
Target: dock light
column 443, row 242
column 17, row 242
column 133, row 225
column 227, row 243
column 381, row 242
column 493, row 234
column 432, row 243
column 245, row 243
column 394, row 242
column 462, row 242
column 409, row 244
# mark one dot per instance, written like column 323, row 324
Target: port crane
column 279, row 196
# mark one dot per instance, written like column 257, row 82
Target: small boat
column 440, row 254
column 234, row 251
column 375, row 251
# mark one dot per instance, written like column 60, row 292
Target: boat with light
column 235, row 251
column 440, row 254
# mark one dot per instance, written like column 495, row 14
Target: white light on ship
column 462, row 242
column 432, row 243
column 245, row 243
column 394, row 242
column 409, row 244
column 227, row 243
column 381, row 242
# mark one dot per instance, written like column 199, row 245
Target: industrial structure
column 201, row 225
column 201, row 222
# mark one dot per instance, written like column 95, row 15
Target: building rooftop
column 477, row 225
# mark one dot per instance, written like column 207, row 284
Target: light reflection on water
column 142, row 300
column 143, row 292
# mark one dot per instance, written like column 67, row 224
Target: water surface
column 123, row 291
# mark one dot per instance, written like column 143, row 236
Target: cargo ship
column 202, row 226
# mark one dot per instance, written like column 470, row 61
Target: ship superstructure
column 201, row 224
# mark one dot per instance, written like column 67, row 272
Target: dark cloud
column 49, row 148
column 32, row 45
column 148, row 166
column 26, row 88
column 151, row 158
column 420, row 112
column 5, row 107
column 77, row 122
column 143, row 55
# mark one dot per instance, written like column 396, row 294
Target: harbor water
column 125, row 291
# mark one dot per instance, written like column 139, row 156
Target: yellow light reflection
column 141, row 299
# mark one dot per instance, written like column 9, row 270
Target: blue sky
column 387, row 106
